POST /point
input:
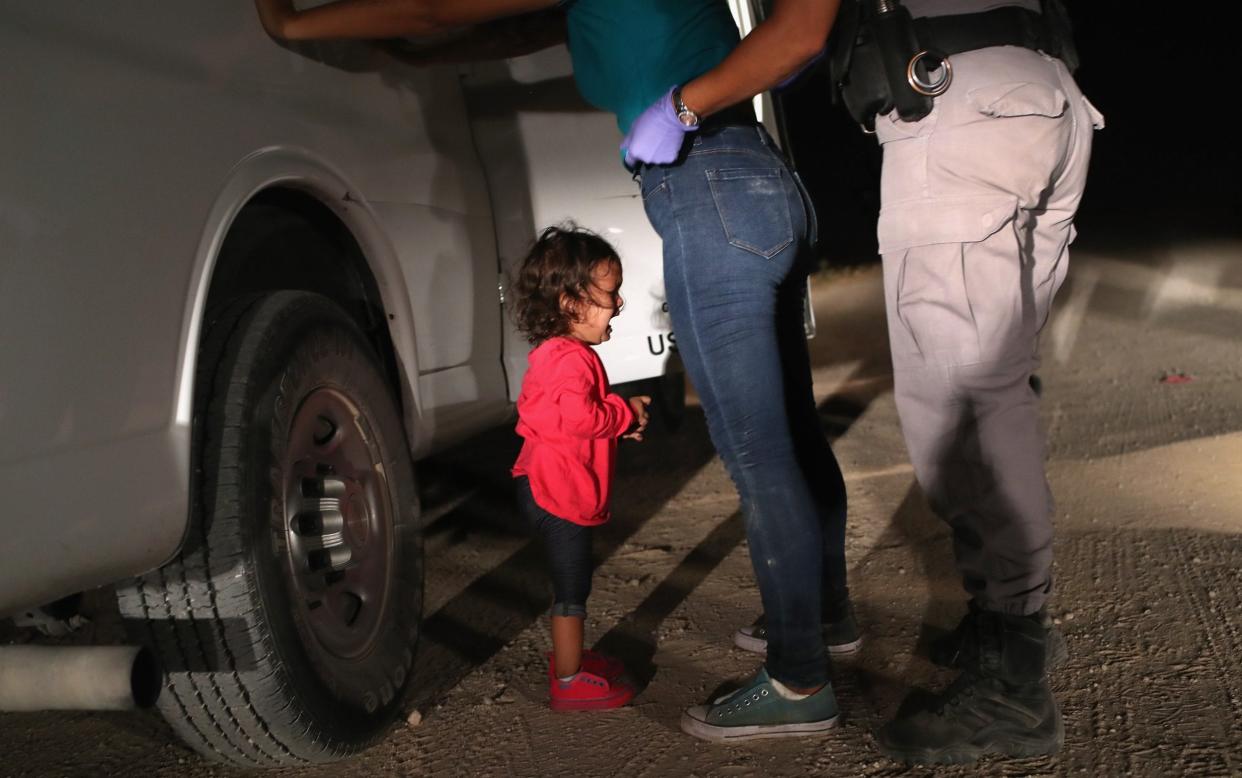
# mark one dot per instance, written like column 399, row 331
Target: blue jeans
column 737, row 228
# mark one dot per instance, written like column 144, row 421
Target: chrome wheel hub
column 337, row 520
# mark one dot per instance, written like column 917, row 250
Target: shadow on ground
column 504, row 601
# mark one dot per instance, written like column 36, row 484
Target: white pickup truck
column 243, row 288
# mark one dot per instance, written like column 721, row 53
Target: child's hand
column 274, row 14
column 639, row 405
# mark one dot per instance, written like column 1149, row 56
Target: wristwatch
column 684, row 114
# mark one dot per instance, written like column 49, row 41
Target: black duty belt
column 1007, row 26
column 883, row 60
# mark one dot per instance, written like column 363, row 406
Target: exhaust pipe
column 78, row 678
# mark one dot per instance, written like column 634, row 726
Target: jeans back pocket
column 753, row 204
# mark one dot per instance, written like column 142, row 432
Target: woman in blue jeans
column 737, row 230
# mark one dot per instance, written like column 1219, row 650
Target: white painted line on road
column 1068, row 320
column 1191, row 277
column 881, row 472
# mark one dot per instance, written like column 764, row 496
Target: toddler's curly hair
column 559, row 263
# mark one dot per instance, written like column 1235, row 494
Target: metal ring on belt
column 928, row 88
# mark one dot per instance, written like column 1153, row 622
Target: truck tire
column 287, row 624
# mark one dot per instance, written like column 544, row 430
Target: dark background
column 1165, row 168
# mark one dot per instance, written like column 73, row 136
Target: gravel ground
column 1149, row 560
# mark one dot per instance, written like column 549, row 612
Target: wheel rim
column 338, row 523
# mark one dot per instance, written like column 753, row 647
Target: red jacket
column 571, row 424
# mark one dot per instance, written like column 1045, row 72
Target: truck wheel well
column 287, row 239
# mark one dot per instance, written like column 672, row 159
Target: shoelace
column 745, row 701
column 568, row 684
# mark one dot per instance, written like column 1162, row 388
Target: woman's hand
column 657, row 135
column 274, row 15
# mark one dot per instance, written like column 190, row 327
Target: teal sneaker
column 757, row 710
column 841, row 637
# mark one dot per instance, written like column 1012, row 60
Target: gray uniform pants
column 977, row 209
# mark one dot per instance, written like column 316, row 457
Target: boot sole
column 760, row 646
column 1000, row 744
column 701, row 729
column 968, row 754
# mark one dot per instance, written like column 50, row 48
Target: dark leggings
column 568, row 548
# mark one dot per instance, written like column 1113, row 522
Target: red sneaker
column 587, row 691
column 595, row 663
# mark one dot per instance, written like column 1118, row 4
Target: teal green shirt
column 627, row 53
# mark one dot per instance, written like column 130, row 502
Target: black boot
column 958, row 649
column 1001, row 705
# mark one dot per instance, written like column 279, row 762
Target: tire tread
column 215, row 710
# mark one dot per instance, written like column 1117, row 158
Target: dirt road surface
column 1143, row 403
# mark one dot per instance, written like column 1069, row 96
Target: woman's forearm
column 501, row 39
column 363, row 19
column 353, row 19
column 792, row 35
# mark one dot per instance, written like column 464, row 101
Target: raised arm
column 384, row 18
column 513, row 36
column 788, row 39
column 794, row 33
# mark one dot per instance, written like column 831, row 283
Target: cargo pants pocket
column 953, row 280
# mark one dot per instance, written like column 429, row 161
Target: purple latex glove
column 656, row 135
column 800, row 72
